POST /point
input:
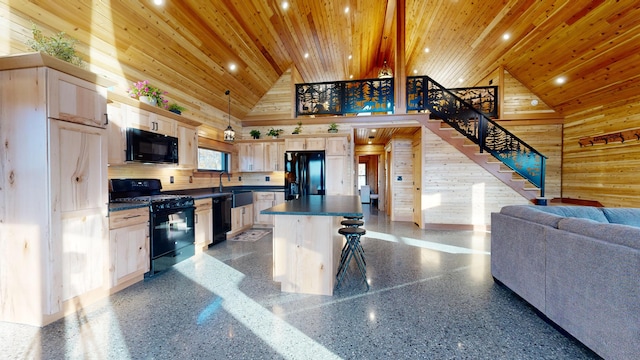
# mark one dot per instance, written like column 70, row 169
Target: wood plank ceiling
column 188, row 46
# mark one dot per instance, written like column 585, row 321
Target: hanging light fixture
column 385, row 72
column 229, row 134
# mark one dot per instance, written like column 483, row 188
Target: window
column 362, row 174
column 213, row 160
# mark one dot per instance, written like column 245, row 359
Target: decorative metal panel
column 345, row 97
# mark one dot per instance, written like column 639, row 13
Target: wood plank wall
column 401, row 179
column 605, row 173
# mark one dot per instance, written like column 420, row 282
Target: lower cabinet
column 203, row 224
column 264, row 200
column 129, row 247
column 241, row 219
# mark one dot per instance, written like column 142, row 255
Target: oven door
column 171, row 230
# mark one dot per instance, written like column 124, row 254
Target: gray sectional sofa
column 579, row 266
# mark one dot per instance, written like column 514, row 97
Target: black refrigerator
column 304, row 174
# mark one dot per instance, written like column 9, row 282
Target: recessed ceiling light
column 369, row 142
column 350, row 57
column 346, row 10
column 561, row 80
column 306, row 55
column 284, row 5
column 158, row 2
column 426, row 50
column 415, row 71
column 351, row 76
column 232, row 67
column 373, row 130
column 534, row 102
column 506, row 36
column 460, row 80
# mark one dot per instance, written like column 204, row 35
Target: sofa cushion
column 625, row 216
column 585, row 212
column 612, row 233
column 531, row 213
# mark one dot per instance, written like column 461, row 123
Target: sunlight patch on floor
column 424, row 244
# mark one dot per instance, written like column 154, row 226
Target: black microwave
column 149, row 147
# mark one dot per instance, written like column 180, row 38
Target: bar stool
column 351, row 223
column 352, row 249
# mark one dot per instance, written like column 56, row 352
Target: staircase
column 484, row 141
column 485, row 160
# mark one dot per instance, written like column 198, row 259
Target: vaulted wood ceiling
column 187, row 46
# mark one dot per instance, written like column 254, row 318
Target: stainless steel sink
column 242, row 198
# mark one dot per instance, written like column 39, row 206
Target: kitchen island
column 306, row 243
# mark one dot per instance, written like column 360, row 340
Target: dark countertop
column 127, row 206
column 320, row 205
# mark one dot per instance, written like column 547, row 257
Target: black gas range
column 171, row 220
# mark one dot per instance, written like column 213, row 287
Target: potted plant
column 298, row 128
column 175, row 108
column 274, row 132
column 146, row 93
column 255, row 134
column 333, row 128
column 59, row 46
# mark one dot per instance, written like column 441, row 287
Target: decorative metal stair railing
column 477, row 127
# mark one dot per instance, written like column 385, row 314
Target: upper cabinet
column 187, row 147
column 251, row 156
column 304, row 143
column 75, row 100
column 149, row 121
column 337, row 146
column 274, row 156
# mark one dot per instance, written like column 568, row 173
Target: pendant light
column 229, row 134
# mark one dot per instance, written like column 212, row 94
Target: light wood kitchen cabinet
column 203, row 224
column 274, row 156
column 337, row 146
column 264, row 200
column 303, row 143
column 251, row 156
column 338, row 175
column 149, row 121
column 116, row 135
column 75, row 100
column 128, row 247
column 241, row 219
column 53, row 176
column 187, row 147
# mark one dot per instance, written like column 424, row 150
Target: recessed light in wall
column 284, row 5
column 506, row 36
column 561, row 80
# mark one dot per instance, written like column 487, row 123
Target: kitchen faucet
column 228, row 178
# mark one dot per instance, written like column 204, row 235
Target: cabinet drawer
column 203, row 204
column 118, row 219
column 263, row 195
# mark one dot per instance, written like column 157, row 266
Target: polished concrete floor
column 431, row 297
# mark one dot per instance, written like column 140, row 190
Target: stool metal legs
column 352, row 249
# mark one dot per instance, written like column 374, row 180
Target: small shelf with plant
column 60, row 46
column 333, row 128
column 175, row 108
column 147, row 93
column 298, row 128
column 255, row 134
column 275, row 132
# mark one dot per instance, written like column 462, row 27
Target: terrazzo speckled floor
column 432, row 297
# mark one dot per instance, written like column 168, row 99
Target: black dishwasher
column 221, row 218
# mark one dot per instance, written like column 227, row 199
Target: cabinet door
column 337, row 146
column 294, row 144
column 274, row 156
column 145, row 120
column 251, row 156
column 187, row 147
column 315, row 144
column 261, row 201
column 204, row 228
column 79, row 196
column 163, row 125
column 75, row 100
column 247, row 215
column 129, row 253
column 245, row 159
column 236, row 218
column 116, row 135
column 337, row 179
column 258, row 156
